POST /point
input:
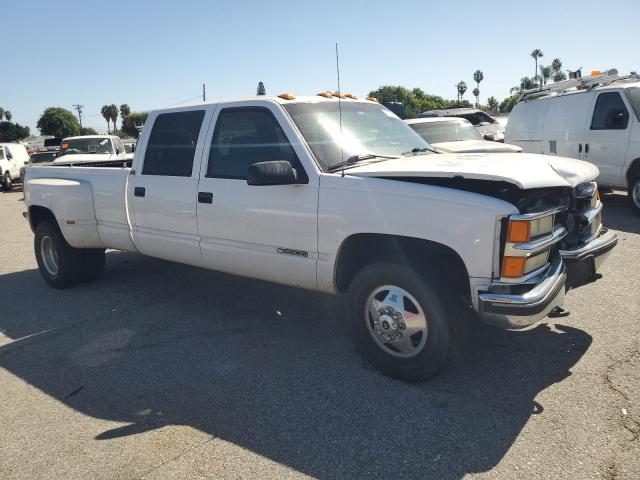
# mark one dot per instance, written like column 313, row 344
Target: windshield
column 43, row 157
column 366, row 129
column 477, row 118
column 439, row 132
column 86, row 145
column 633, row 94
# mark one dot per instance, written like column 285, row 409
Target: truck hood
column 475, row 146
column 80, row 158
column 525, row 170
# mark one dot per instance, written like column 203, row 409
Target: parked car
column 488, row 126
column 39, row 158
column 295, row 191
column 456, row 135
column 91, row 148
column 13, row 156
column 595, row 118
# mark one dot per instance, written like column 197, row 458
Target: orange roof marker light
column 286, row 96
column 351, row 96
column 595, row 73
column 325, row 94
column 339, row 95
column 373, row 99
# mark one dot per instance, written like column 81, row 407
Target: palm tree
column 492, row 103
column 545, row 74
column 478, row 76
column 476, row 93
column 8, row 115
column 125, row 111
column 113, row 115
column 556, row 67
column 107, row 116
column 462, row 88
column 1, row 113
column 536, row 54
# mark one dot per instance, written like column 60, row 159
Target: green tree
column 261, row 90
column 113, row 115
column 492, row 104
column 7, row 115
column 124, row 110
column 13, row 132
column 478, row 76
column 507, row 104
column 536, row 54
column 106, row 114
column 476, row 93
column 58, row 122
column 556, row 67
column 132, row 122
column 415, row 101
column 545, row 74
column 526, row 83
column 559, row 76
column 461, row 87
column 1, row 113
column 89, row 131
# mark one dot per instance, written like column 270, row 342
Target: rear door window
column 610, row 112
column 172, row 144
column 244, row 136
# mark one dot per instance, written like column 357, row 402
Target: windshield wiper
column 353, row 160
column 419, row 150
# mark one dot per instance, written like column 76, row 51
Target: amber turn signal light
column 513, row 267
column 286, row 96
column 519, row 231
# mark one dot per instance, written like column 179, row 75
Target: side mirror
column 278, row 172
column 490, row 137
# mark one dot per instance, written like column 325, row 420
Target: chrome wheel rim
column 396, row 321
column 635, row 194
column 49, row 255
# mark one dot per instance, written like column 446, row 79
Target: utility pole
column 204, row 96
column 79, row 108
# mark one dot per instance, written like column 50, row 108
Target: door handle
column 586, row 148
column 139, row 191
column 205, row 197
column 579, row 148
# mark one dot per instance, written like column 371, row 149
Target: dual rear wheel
column 62, row 265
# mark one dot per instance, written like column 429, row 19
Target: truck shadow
column 271, row 369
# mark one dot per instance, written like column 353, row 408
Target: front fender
column 468, row 223
column 71, row 202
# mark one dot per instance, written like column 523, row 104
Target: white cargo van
column 595, row 118
column 13, row 157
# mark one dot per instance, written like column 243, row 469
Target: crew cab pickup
column 337, row 195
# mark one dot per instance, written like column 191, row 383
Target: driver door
column 266, row 232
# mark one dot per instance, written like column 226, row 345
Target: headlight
column 523, row 231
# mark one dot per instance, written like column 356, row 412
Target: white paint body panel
column 475, row 146
column 523, row 170
column 13, row 165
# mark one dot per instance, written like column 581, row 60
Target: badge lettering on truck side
column 290, row 251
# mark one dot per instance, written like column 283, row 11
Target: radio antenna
column 340, row 108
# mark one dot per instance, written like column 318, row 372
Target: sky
column 152, row 54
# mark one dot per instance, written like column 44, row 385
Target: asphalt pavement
column 160, row 370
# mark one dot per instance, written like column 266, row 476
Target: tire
column 92, row 264
column 634, row 193
column 6, row 182
column 413, row 357
column 60, row 264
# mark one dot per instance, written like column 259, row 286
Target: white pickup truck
column 340, row 196
column 92, row 149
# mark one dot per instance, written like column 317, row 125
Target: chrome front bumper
column 571, row 269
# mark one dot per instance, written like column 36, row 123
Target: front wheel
column 399, row 321
column 634, row 194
